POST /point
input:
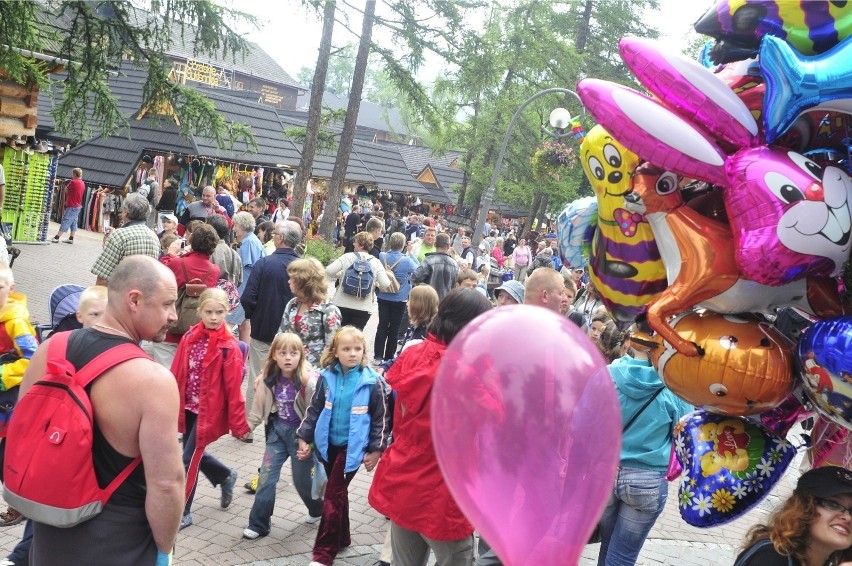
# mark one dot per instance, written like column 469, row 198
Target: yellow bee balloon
column 624, row 264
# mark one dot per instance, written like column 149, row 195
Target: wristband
column 163, row 559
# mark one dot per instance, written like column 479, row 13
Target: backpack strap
column 92, row 370
column 107, row 360
column 395, row 263
column 183, row 267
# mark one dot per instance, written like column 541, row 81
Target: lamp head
column 560, row 118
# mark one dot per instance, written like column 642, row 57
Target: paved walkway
column 216, row 535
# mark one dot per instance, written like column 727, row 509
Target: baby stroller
column 62, row 306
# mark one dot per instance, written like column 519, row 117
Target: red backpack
column 49, row 472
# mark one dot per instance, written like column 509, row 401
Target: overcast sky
column 291, row 35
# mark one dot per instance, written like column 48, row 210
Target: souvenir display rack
column 29, row 180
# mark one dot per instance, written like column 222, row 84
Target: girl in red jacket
column 208, row 367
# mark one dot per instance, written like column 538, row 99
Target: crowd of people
column 225, row 301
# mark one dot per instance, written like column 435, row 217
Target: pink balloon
column 527, row 431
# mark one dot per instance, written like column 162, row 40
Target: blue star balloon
column 796, row 83
column 575, row 227
column 729, row 465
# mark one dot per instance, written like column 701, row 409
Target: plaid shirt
column 134, row 238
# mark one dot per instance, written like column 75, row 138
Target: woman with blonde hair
column 813, row 527
column 309, row 314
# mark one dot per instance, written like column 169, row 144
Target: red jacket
column 221, row 405
column 408, row 486
column 197, row 264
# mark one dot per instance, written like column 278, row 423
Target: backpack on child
column 394, row 282
column 50, row 440
column 358, row 278
column 187, row 301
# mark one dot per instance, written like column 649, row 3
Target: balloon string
column 848, row 142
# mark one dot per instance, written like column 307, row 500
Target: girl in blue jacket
column 640, row 490
column 348, row 422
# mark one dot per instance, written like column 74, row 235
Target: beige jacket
column 264, row 400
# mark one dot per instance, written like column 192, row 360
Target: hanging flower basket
column 553, row 159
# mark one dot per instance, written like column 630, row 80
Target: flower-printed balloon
column 729, row 465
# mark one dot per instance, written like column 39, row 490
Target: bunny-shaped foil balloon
column 790, row 217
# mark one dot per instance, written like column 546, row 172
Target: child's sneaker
column 251, row 534
column 251, row 485
column 228, row 489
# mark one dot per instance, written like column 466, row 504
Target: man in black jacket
column 266, row 294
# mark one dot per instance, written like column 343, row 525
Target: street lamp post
column 560, row 119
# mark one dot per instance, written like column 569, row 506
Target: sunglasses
column 832, row 505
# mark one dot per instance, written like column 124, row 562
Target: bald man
column 135, row 406
column 546, row 288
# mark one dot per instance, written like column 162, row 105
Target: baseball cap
column 514, row 288
column 827, row 481
column 169, row 217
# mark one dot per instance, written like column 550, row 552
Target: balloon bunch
column 733, row 183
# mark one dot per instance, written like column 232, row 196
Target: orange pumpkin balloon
column 745, row 366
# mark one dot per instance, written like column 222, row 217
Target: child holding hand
column 348, row 422
column 282, row 394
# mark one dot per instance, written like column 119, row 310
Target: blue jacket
column 267, row 293
column 647, row 443
column 402, row 272
column 369, row 423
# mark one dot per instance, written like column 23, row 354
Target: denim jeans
column 280, row 445
column 637, row 500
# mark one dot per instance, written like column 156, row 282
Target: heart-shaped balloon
column 824, row 364
column 729, row 465
column 527, row 431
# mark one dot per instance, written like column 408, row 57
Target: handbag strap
column 639, row 412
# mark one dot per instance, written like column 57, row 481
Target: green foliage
column 95, row 37
column 326, row 139
column 526, row 46
column 317, row 247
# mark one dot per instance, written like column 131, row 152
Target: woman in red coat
column 208, row 367
column 408, row 487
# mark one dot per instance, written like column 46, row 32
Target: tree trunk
column 534, row 209
column 341, row 163
column 468, row 158
column 309, row 148
column 489, row 157
column 585, row 28
column 543, row 210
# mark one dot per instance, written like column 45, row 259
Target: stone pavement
column 216, row 535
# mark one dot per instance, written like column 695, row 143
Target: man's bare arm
column 161, row 455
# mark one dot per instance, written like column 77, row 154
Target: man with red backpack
column 135, row 408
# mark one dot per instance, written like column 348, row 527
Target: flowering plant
column 552, row 159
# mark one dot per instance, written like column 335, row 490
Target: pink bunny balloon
column 790, row 217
